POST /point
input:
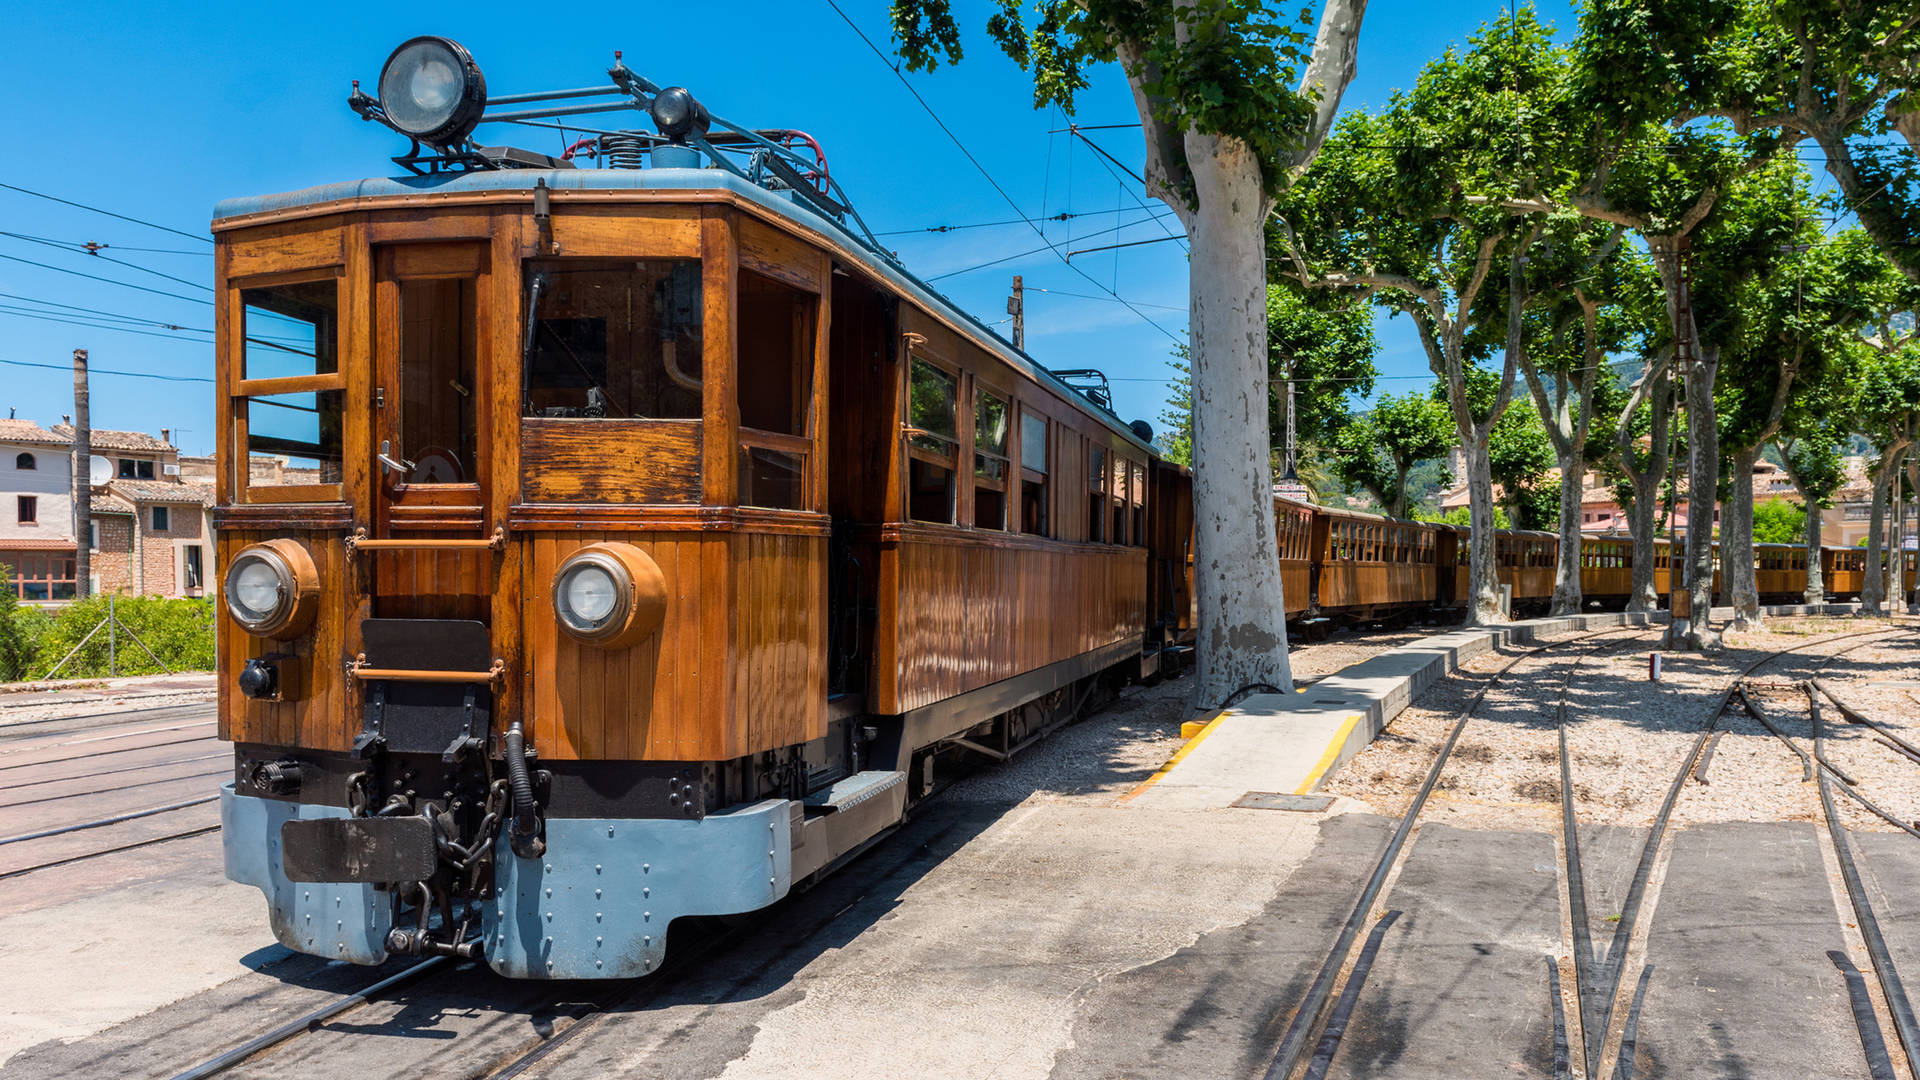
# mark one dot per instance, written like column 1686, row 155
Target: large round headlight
column 609, row 595
column 272, row 589
column 432, row 90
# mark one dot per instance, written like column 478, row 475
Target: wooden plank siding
column 319, row 712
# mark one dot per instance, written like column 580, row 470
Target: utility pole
column 82, row 481
column 1017, row 307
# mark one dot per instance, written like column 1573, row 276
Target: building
column 151, row 532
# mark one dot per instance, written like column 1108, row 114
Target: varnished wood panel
column 277, row 249
column 655, row 232
column 621, row 461
column 719, row 680
column 959, row 611
column 320, row 714
column 780, row 255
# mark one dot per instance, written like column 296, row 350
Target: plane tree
column 1376, row 449
column 1233, row 102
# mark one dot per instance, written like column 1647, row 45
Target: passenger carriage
column 608, row 545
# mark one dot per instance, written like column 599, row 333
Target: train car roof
column 782, row 203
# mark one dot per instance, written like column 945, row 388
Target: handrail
column 358, row 540
column 359, row 669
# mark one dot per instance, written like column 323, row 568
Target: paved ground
column 1031, row 922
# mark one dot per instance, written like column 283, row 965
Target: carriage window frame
column 986, row 454
column 932, row 448
column 243, row 392
column 1039, row 477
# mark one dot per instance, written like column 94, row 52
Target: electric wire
column 82, row 250
column 108, row 213
column 1170, row 335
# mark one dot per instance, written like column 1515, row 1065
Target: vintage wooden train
column 602, row 546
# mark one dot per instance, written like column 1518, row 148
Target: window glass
column 775, row 354
column 434, row 406
column 23, row 461
column 614, row 340
column 28, row 509
column 1033, row 441
column 930, row 407
column 293, row 439
column 771, row 478
column 989, row 462
column 1097, row 494
column 290, row 330
column 161, row 519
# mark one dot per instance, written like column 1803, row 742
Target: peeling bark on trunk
column 1816, row 591
column 1242, row 629
column 1483, row 584
column 1567, row 597
column 1873, row 587
column 1656, row 389
column 1641, row 523
column 1736, row 544
column 1703, row 476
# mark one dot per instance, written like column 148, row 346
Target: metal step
column 854, row 790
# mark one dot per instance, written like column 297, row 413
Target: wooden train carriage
column 1606, row 570
column 1844, row 571
column 1293, row 525
column 1452, row 565
column 1663, row 563
column 1526, row 560
column 858, row 523
column 1780, row 573
column 1369, row 565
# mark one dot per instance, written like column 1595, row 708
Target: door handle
column 402, row 466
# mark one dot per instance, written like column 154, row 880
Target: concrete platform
column 1292, row 743
column 1282, row 743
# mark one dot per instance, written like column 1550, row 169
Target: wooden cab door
column 431, row 450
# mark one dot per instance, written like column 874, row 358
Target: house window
column 133, row 469
column 45, row 577
column 24, row 461
column 190, row 564
column 989, row 462
column 93, row 536
column 932, row 445
column 161, row 519
column 1033, row 473
column 29, row 509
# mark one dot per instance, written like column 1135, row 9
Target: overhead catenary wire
column 83, row 250
column 895, row 68
column 107, row 213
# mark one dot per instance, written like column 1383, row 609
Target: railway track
column 71, row 795
column 1604, row 1027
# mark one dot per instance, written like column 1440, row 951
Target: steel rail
column 167, row 839
column 150, row 811
column 309, row 1022
column 1319, row 994
column 111, row 790
column 1613, row 964
column 1760, row 714
column 1890, row 985
column 1856, row 716
column 115, row 735
column 104, row 753
column 114, row 772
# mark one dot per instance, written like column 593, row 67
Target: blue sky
column 158, row 111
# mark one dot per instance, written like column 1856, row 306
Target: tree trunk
column 1483, row 578
column 1736, row 544
column 1398, row 507
column 1703, row 477
column 1566, row 575
column 1816, row 576
column 1640, row 522
column 1873, row 588
column 1242, row 632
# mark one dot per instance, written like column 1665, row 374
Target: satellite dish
column 99, row 470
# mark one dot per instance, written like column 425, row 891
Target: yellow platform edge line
column 1177, row 757
column 1327, row 759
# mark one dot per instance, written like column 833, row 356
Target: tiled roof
column 26, row 431
column 103, row 439
column 107, row 504
column 162, row 491
column 16, row 544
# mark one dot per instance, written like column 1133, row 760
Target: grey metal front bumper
column 596, row 906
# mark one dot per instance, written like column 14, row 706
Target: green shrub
column 20, row 629
column 180, row 632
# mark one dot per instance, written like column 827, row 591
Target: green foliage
column 180, row 632
column 19, row 631
column 1462, row 515
column 1538, row 504
column 1176, row 431
column 1215, row 67
column 1379, row 448
column 1777, row 521
column 1326, row 343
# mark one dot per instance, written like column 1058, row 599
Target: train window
column 293, row 440
column 290, row 330
column 932, row 447
column 989, row 462
column 1119, row 488
column 1097, row 494
column 1033, row 473
column 775, row 355
column 614, row 340
column 1137, row 498
column 435, row 397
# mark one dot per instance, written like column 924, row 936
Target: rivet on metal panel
column 596, row 943
column 597, row 963
column 644, row 893
column 646, row 867
column 646, row 916
column 646, row 939
column 596, row 868
column 549, row 868
column 609, row 830
column 549, row 893
column 549, row 916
